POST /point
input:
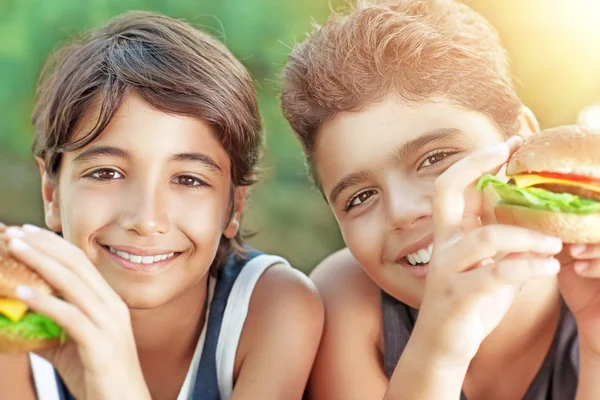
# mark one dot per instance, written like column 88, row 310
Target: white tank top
column 231, row 330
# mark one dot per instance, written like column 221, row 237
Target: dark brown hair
column 415, row 49
column 172, row 66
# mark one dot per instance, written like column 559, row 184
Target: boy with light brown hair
column 400, row 107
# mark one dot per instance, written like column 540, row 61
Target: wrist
column 424, row 373
column 443, row 348
column 589, row 368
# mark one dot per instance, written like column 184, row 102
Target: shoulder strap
column 235, row 317
column 398, row 323
column 44, row 378
column 206, row 386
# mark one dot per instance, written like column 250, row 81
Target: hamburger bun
column 566, row 150
column 12, row 274
column 570, row 228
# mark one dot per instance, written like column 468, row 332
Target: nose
column 145, row 210
column 407, row 205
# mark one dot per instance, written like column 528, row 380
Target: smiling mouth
column 137, row 259
column 139, row 262
column 420, row 257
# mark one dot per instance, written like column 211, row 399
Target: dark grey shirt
column 556, row 379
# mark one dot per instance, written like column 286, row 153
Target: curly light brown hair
column 416, row 49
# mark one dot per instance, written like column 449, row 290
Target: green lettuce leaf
column 540, row 199
column 32, row 326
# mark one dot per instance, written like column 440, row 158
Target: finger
column 587, row 269
column 64, row 281
column 492, row 241
column 2, row 227
column 584, row 252
column 66, row 254
column 515, row 271
column 67, row 316
column 449, row 202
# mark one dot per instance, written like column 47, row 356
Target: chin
column 144, row 296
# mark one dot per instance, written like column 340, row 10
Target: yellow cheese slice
column 527, row 180
column 12, row 308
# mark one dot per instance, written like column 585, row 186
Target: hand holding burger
column 554, row 185
column 554, row 188
column 21, row 329
column 57, row 288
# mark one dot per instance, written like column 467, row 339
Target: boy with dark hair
column 147, row 138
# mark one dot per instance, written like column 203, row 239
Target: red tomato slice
column 570, row 177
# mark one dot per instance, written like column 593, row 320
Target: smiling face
column 377, row 168
column 147, row 201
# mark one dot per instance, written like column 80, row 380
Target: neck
column 182, row 319
column 531, row 322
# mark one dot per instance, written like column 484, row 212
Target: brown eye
column 106, row 174
column 189, row 181
column 434, row 158
column 360, row 199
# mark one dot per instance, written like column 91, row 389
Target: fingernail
column 14, row 232
column 577, row 249
column 581, row 266
column 18, row 245
column 31, row 228
column 23, row 292
column 2, row 225
column 551, row 266
column 514, row 141
column 554, row 243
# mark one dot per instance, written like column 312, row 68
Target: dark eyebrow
column 442, row 135
column 438, row 135
column 346, row 182
column 101, row 151
column 198, row 158
column 110, row 151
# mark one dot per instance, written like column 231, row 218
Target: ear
column 528, row 123
column 233, row 227
column 50, row 197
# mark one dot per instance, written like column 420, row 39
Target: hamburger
column 554, row 185
column 22, row 330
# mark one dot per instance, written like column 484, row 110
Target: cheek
column 83, row 212
column 202, row 217
column 365, row 238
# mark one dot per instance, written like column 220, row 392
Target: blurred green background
column 554, row 46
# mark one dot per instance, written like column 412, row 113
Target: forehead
column 148, row 132
column 355, row 140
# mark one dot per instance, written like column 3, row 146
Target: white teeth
column 141, row 259
column 422, row 256
column 147, row 259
